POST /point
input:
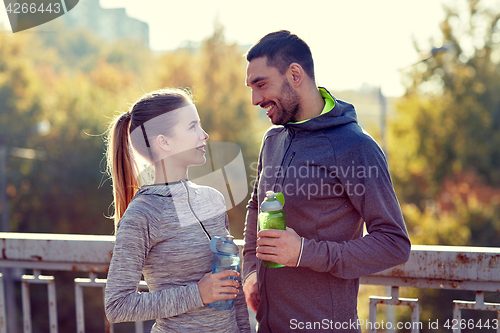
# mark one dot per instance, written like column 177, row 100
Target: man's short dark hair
column 281, row 49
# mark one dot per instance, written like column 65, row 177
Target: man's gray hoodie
column 334, row 178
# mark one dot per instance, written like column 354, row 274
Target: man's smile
column 270, row 108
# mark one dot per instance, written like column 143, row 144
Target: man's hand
column 281, row 246
column 251, row 290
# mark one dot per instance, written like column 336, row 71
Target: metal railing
column 439, row 267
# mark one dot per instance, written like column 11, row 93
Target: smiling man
column 324, row 249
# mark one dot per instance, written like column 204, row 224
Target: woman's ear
column 163, row 143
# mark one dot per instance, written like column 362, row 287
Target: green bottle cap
column 281, row 198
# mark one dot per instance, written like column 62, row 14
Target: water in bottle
column 225, row 258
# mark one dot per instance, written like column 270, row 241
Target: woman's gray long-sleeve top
column 159, row 236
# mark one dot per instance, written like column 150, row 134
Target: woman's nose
column 204, row 135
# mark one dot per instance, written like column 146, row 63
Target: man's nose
column 256, row 97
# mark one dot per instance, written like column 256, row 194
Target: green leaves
column 447, row 131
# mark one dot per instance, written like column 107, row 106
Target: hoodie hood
column 342, row 113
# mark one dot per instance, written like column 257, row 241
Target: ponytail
column 120, row 165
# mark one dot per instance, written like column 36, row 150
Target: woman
column 163, row 229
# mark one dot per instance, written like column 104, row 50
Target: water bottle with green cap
column 272, row 217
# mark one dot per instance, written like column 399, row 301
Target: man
column 334, row 178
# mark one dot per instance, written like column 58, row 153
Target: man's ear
column 295, row 74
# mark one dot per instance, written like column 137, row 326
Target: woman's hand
column 214, row 287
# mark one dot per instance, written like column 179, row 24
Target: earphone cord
column 194, row 214
column 187, row 191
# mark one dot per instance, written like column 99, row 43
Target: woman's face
column 187, row 144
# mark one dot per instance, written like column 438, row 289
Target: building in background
column 367, row 102
column 110, row 24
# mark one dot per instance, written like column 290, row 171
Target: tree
column 445, row 142
column 62, row 193
column 452, row 102
column 20, row 90
column 448, row 125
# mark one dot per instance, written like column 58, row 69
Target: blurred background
column 424, row 77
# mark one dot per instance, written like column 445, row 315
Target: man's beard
column 290, row 105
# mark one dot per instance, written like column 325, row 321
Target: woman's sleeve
column 123, row 300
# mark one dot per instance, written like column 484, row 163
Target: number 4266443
column 455, row 324
column 33, row 8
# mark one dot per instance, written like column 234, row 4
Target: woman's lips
column 201, row 148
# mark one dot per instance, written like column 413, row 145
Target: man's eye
column 260, row 85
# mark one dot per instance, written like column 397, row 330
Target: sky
column 353, row 42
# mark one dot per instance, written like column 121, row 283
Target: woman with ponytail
column 163, row 229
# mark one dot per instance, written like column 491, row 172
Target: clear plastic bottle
column 226, row 258
column 272, row 217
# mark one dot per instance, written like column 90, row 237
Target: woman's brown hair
column 120, row 165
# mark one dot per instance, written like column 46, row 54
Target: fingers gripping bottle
column 272, row 217
column 225, row 258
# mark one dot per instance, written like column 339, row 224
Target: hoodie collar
column 329, row 104
column 335, row 113
column 166, row 189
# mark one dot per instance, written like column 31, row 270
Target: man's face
column 272, row 91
